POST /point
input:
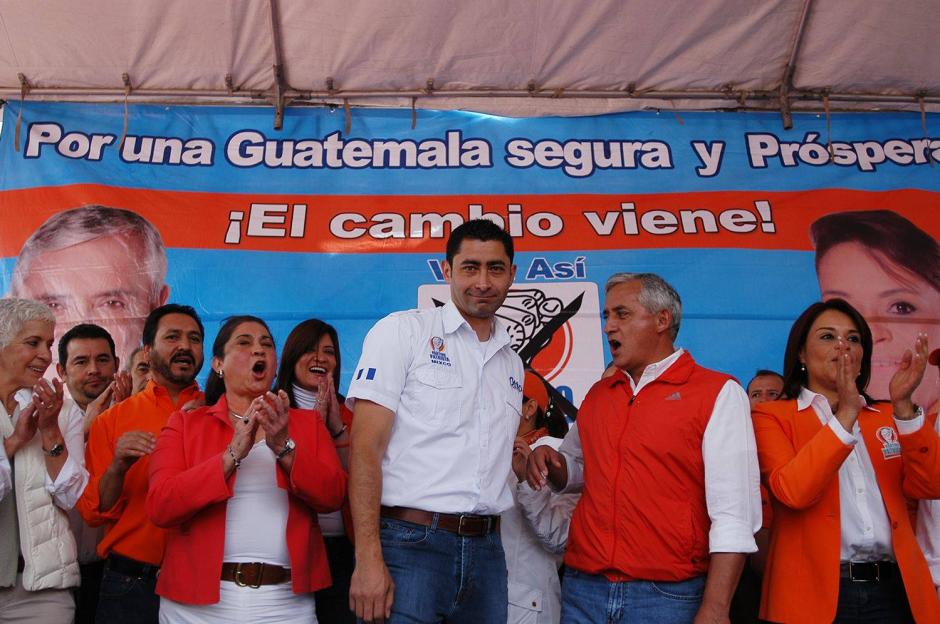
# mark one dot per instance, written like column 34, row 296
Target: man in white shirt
column 436, row 397
column 665, row 455
column 88, row 366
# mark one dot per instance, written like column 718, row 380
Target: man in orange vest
column 664, row 454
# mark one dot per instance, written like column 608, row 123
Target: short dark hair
column 884, row 232
column 83, row 331
column 215, row 385
column 794, row 376
column 153, row 320
column 763, row 372
column 481, row 230
column 302, row 339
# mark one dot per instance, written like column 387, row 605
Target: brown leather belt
column 254, row 574
column 465, row 525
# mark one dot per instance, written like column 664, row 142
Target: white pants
column 268, row 604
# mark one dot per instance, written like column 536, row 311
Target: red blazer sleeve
column 317, row 478
column 177, row 490
column 796, row 478
column 99, row 453
column 921, row 453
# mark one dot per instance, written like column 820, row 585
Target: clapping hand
column 329, row 405
column 272, row 413
column 47, row 398
column 908, row 377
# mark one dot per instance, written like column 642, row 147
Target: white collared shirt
column 729, row 453
column 866, row 529
column 457, row 405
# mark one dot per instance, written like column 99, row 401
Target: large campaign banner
column 108, row 212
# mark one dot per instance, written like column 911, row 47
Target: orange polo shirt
column 128, row 530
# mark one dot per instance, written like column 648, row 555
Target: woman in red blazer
column 239, row 484
column 843, row 472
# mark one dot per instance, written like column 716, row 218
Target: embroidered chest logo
column 890, row 447
column 437, row 352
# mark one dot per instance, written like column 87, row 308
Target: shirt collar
column 453, row 319
column 808, row 397
column 654, row 370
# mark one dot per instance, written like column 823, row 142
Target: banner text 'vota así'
column 575, row 157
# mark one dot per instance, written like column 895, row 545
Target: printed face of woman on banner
column 895, row 290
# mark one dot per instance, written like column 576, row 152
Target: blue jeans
column 443, row 577
column 125, row 599
column 881, row 603
column 592, row 599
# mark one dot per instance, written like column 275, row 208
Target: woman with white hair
column 42, row 472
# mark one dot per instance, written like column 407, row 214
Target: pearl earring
column 219, row 373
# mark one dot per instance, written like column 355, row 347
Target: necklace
column 238, row 416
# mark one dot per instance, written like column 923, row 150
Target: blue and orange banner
column 316, row 220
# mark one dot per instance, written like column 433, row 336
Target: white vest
column 45, row 539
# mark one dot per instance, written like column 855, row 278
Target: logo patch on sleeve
column 370, row 373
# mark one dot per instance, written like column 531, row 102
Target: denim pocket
column 691, row 590
column 400, row 533
column 116, row 585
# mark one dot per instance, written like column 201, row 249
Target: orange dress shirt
column 128, row 530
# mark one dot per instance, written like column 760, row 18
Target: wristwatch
column 287, row 450
column 55, row 451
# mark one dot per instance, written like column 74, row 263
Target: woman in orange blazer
column 843, row 472
column 239, row 484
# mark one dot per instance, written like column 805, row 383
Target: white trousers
column 268, row 604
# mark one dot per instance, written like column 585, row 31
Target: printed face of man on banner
column 95, row 264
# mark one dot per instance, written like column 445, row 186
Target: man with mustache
column 118, row 458
column 437, row 396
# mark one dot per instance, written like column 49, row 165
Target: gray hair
column 130, row 358
column 14, row 313
column 655, row 294
column 80, row 225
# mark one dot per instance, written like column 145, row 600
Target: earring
column 802, row 367
column 219, row 373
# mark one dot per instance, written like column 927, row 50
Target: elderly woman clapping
column 239, row 483
column 45, row 449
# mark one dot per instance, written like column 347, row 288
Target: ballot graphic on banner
column 554, row 327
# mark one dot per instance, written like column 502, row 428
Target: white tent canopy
column 519, row 57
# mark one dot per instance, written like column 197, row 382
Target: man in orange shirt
column 117, row 458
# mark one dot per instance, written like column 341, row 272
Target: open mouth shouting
column 614, row 345
column 186, row 360
column 259, row 369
